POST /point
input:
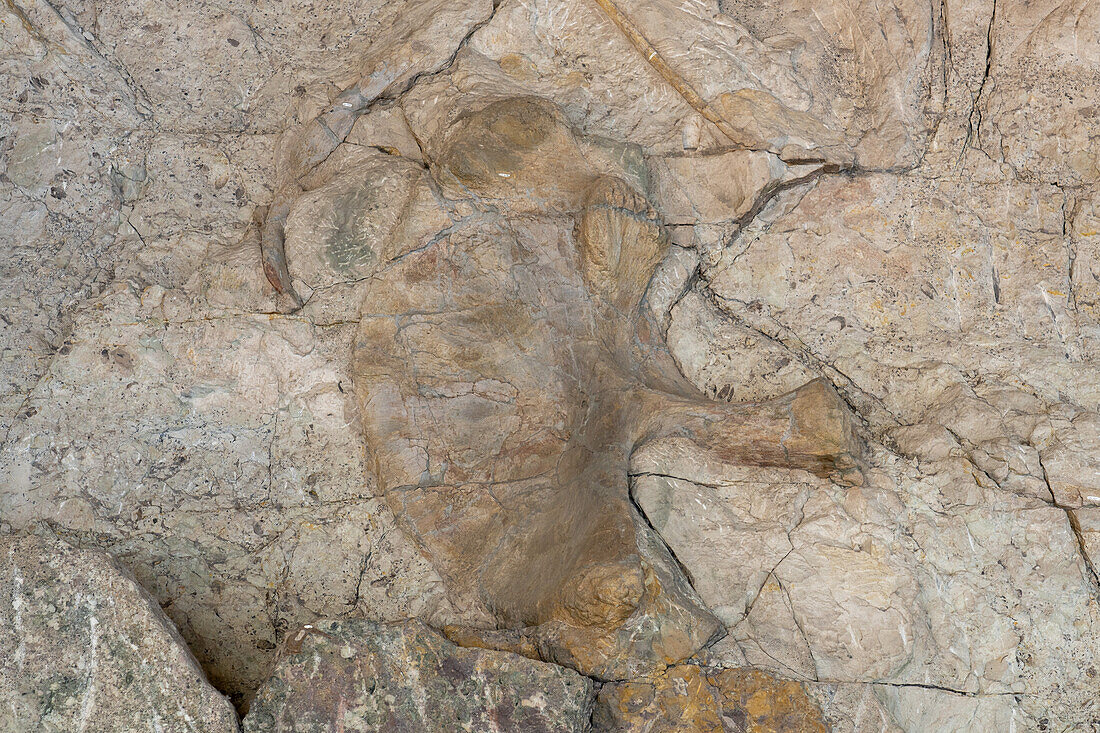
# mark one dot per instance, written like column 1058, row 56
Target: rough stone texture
column 693, row 700
column 832, row 90
column 358, row 676
column 67, row 162
column 220, row 466
column 1033, row 112
column 875, row 585
column 421, row 38
column 898, row 200
column 223, row 475
column 83, row 647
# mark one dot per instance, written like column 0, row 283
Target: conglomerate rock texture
column 83, row 647
column 740, row 356
column 359, row 676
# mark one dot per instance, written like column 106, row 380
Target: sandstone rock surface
column 626, row 235
column 360, row 676
column 83, row 647
column 220, row 470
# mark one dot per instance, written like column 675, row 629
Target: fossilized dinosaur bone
column 506, row 374
column 425, row 39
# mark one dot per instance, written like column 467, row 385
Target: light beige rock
column 916, row 708
column 377, row 208
column 72, row 118
column 852, row 708
column 714, row 188
column 1069, row 450
column 917, row 288
column 747, row 519
column 419, row 39
column 882, row 587
column 222, row 471
column 730, row 361
column 1035, row 107
column 750, row 69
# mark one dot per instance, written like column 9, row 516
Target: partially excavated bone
column 505, row 376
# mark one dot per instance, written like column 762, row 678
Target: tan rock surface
column 900, row 201
column 505, row 374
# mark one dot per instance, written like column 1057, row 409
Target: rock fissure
column 309, row 153
column 1075, row 526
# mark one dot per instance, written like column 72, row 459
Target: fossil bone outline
column 536, row 525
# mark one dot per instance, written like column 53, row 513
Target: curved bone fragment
column 394, row 65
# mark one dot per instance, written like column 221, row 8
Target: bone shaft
column 810, row 428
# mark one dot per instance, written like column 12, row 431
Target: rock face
column 418, row 41
column 690, row 699
column 587, row 329
column 234, row 490
column 359, row 676
column 83, row 647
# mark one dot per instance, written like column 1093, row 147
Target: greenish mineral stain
column 349, row 249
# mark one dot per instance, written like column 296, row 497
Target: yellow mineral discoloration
column 691, row 699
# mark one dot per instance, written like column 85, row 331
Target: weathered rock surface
column 898, row 201
column 360, row 676
column 1032, row 112
column 220, row 470
column 873, row 585
column 691, row 699
column 83, row 647
column 420, row 38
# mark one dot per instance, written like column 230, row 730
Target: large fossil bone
column 505, row 375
